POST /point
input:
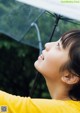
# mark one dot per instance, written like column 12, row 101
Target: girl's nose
column 47, row 46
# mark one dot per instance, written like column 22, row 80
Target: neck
column 58, row 91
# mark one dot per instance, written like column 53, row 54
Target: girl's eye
column 58, row 44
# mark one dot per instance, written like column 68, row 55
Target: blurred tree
column 16, row 66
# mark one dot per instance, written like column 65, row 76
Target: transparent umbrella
column 16, row 22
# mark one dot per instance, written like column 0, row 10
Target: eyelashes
column 58, row 45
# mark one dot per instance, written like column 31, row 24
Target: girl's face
column 51, row 59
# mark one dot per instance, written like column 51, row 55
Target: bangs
column 70, row 38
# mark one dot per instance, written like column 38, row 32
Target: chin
column 35, row 64
column 38, row 66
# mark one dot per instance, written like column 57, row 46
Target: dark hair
column 72, row 39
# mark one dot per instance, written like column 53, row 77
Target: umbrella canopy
column 16, row 19
column 26, row 24
column 67, row 8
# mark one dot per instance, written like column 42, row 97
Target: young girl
column 59, row 64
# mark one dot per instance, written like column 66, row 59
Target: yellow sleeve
column 17, row 104
column 13, row 104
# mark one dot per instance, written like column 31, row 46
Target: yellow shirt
column 16, row 104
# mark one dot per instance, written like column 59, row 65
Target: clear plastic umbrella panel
column 30, row 25
column 67, row 8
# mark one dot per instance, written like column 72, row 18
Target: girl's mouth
column 41, row 57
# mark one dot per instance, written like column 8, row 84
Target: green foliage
column 10, row 63
column 17, row 71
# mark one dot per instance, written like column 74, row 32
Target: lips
column 41, row 57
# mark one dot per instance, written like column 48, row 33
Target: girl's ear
column 70, row 78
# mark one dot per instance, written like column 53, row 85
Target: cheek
column 54, row 60
column 53, row 63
